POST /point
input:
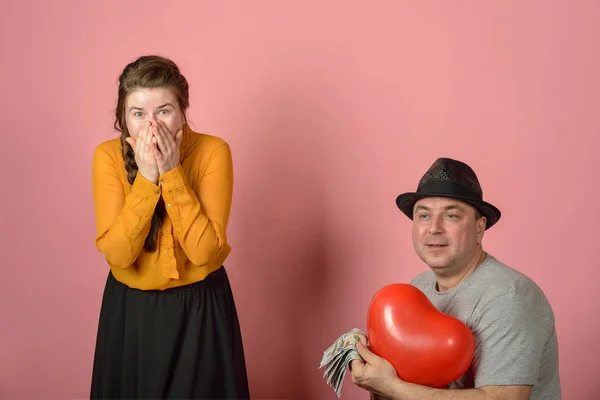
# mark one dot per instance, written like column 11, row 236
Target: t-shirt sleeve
column 511, row 332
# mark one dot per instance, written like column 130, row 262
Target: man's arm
column 400, row 390
column 379, row 377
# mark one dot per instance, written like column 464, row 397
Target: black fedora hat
column 454, row 179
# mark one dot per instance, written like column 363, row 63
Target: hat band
column 446, row 188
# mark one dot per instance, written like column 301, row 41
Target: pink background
column 331, row 108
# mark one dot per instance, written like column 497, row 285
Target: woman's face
column 152, row 105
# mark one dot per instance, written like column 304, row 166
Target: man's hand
column 168, row 145
column 375, row 374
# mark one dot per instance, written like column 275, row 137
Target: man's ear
column 481, row 224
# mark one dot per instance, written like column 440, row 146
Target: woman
column 168, row 324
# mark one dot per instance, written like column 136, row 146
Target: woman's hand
column 167, row 156
column 145, row 153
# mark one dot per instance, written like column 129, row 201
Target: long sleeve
column 122, row 221
column 200, row 219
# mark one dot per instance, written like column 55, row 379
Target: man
column 516, row 351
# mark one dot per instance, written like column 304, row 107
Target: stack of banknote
column 338, row 356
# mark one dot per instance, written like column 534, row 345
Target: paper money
column 337, row 358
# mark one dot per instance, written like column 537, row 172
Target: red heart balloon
column 425, row 346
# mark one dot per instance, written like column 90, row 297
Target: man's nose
column 436, row 225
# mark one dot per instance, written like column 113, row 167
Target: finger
column 160, row 140
column 138, row 142
column 169, row 140
column 141, row 140
column 131, row 142
column 178, row 138
column 156, row 153
column 366, row 354
column 140, row 133
column 356, row 364
column 148, row 134
column 146, row 142
column 363, row 339
column 357, row 371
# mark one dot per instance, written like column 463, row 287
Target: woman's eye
column 137, row 114
column 164, row 112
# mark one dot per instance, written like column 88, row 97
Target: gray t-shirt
column 513, row 326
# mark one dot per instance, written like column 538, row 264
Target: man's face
column 446, row 233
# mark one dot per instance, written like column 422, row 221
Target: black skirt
column 181, row 343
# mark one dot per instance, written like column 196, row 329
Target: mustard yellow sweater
column 192, row 241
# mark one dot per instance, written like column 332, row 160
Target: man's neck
column 445, row 283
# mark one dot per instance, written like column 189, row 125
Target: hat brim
column 406, row 203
